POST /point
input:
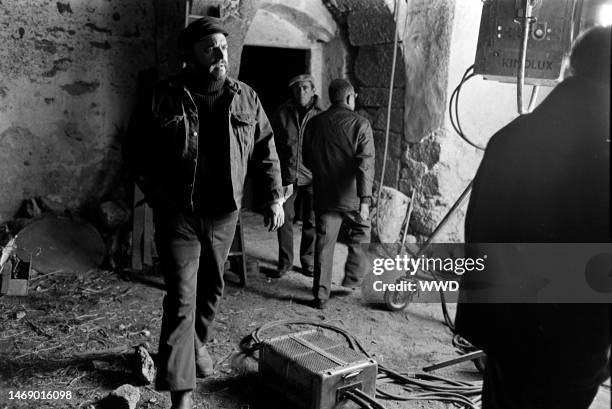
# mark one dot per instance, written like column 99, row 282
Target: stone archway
column 305, row 25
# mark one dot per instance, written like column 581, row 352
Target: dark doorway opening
column 268, row 70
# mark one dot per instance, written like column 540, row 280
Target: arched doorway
column 287, row 38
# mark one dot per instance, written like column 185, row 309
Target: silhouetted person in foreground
column 545, row 178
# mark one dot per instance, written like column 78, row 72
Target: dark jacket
column 162, row 144
column 339, row 150
column 545, row 178
column 288, row 136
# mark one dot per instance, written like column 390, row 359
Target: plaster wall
column 68, row 72
column 485, row 107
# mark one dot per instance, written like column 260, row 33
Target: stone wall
column 418, row 109
column 68, row 70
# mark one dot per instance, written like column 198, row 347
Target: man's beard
column 213, row 72
column 218, row 71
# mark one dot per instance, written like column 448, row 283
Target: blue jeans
column 192, row 251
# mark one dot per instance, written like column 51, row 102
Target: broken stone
column 391, row 212
column 146, row 333
column 51, row 204
column 411, row 175
column 144, row 365
column 124, row 397
column 20, row 315
column 112, row 215
column 426, row 151
column 30, row 209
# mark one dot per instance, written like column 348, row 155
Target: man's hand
column 364, row 211
column 274, row 216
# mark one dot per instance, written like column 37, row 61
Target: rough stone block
column 426, row 151
column 369, row 27
column 411, row 176
column 394, row 147
column 373, row 66
column 124, row 397
column 379, row 97
column 144, row 367
column 429, row 185
column 396, row 123
column 391, row 212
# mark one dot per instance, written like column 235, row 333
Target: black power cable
column 453, row 107
column 358, row 400
column 420, row 386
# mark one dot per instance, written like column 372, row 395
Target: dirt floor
column 70, row 334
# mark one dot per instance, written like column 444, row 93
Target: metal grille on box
column 313, row 371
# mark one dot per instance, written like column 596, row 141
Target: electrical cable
column 533, row 98
column 388, row 123
column 453, row 107
column 358, row 400
column 526, row 22
column 420, row 386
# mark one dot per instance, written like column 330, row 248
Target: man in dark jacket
column 339, row 150
column 289, row 122
column 544, row 178
column 189, row 145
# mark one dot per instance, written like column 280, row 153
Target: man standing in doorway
column 339, row 150
column 289, row 122
column 189, row 145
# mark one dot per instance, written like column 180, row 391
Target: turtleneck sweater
column 213, row 191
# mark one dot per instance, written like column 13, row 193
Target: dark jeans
column 192, row 251
column 301, row 200
column 508, row 386
column 328, row 227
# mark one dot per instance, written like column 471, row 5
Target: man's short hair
column 199, row 29
column 301, row 78
column 591, row 54
column 339, row 89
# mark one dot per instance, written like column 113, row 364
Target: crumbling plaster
column 67, row 76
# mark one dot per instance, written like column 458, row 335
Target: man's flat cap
column 199, row 29
column 300, row 78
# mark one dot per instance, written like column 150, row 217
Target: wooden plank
column 147, row 236
column 137, row 230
